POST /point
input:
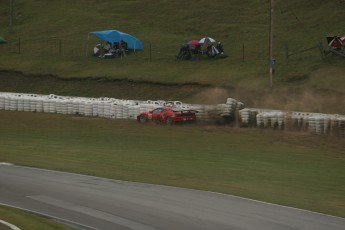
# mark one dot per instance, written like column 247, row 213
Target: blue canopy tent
column 116, row 36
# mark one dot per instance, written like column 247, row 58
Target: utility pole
column 10, row 24
column 271, row 61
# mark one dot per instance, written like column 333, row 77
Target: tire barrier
column 232, row 110
column 92, row 107
column 315, row 123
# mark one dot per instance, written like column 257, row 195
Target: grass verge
column 28, row 221
column 294, row 169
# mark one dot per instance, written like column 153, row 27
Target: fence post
column 150, row 52
column 19, row 45
column 59, row 47
column 322, row 53
column 11, row 16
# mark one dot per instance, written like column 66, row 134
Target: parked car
column 168, row 115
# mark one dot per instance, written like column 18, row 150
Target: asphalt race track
column 98, row 203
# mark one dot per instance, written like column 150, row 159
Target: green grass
column 28, row 221
column 293, row 169
column 166, row 25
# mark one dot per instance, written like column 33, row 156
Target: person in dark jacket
column 220, row 47
column 184, row 53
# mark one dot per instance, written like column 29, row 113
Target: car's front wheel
column 142, row 119
column 169, row 121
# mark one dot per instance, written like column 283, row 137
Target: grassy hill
column 55, row 57
column 54, row 39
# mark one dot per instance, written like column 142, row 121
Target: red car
column 168, row 115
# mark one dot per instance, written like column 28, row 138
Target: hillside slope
column 51, row 37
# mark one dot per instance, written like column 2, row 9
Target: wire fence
column 53, row 46
column 46, row 46
column 317, row 47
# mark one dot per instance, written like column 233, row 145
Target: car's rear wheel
column 142, row 119
column 169, row 121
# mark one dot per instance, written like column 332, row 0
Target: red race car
column 168, row 115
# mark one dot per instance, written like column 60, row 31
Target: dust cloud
column 315, row 101
column 287, row 99
column 212, row 96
